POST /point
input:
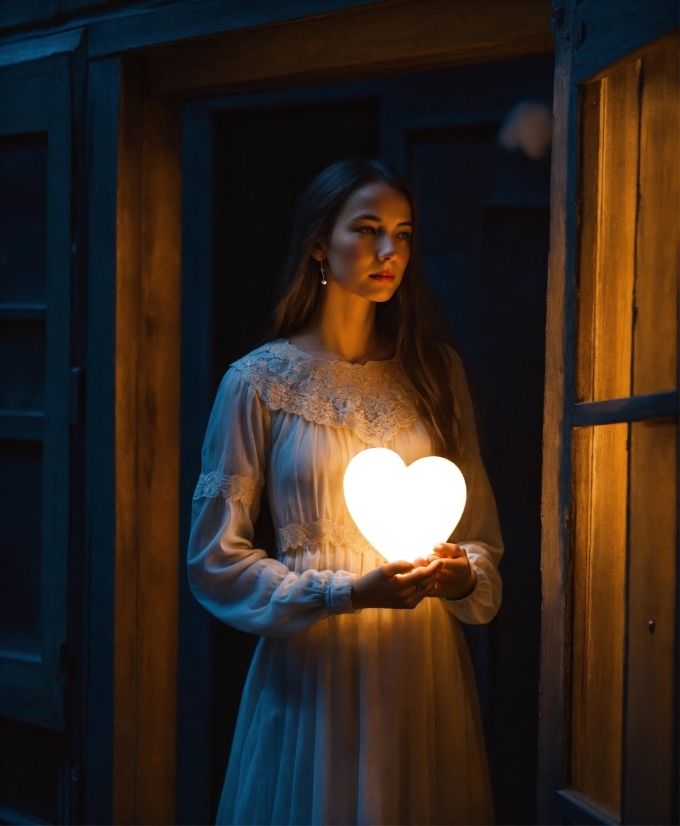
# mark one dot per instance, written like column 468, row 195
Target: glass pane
column 600, row 465
column 628, row 258
column 22, row 364
column 651, row 621
column 20, row 544
column 23, row 210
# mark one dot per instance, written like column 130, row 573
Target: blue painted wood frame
column 36, row 98
column 103, row 93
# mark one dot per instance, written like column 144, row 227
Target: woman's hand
column 456, row 579
column 396, row 585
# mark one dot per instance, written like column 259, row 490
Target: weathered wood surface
column 655, row 357
column 624, row 490
column 600, row 497
column 605, row 31
column 555, row 459
column 35, row 110
column 652, row 690
column 128, row 260
column 652, row 592
column 131, row 24
column 630, row 409
column 147, row 457
column 419, row 34
column 608, row 192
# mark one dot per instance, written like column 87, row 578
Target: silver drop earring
column 323, row 274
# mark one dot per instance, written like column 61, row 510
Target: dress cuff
column 481, row 584
column 339, row 593
column 477, row 607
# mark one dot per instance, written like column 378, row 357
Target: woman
column 354, row 711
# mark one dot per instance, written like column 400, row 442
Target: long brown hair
column 409, row 321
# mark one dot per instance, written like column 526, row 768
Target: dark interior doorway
column 263, row 160
column 485, row 245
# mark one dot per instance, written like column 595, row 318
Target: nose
column 386, row 248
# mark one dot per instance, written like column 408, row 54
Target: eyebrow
column 378, row 220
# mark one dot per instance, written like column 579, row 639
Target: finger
column 391, row 569
column 454, row 567
column 418, row 574
column 421, row 562
column 428, row 590
column 425, row 586
column 449, row 549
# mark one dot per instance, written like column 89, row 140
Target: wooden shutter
column 35, row 258
column 608, row 743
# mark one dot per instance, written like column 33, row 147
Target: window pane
column 628, row 259
column 600, row 466
column 23, row 209
column 20, row 544
column 22, row 365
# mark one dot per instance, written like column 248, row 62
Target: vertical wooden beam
column 147, row 455
column 158, row 461
column 128, row 235
column 555, row 453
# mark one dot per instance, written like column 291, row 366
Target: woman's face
column 369, row 246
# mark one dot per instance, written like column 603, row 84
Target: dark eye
column 405, row 235
column 366, row 230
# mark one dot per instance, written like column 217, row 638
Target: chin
column 381, row 292
column 382, row 297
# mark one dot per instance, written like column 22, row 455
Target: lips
column 385, row 277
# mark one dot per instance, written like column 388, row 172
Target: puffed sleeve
column 236, row 582
column 478, row 530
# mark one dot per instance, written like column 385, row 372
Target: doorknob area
column 651, row 626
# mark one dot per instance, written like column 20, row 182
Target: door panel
column 35, row 239
column 608, row 739
column 609, row 118
column 627, row 295
column 627, row 345
column 600, row 470
column 655, row 344
column 652, row 683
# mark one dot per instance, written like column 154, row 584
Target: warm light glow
column 404, row 511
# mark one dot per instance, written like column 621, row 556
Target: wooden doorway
column 484, row 240
column 150, row 271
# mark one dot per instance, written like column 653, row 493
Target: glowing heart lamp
column 404, row 511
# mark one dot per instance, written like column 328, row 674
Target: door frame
column 135, row 104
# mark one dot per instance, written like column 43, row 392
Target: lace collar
column 370, row 398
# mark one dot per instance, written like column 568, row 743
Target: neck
column 343, row 327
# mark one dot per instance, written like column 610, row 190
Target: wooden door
column 608, row 736
column 39, row 412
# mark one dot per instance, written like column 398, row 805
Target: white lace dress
column 347, row 717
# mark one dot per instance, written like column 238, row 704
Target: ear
column 318, row 253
